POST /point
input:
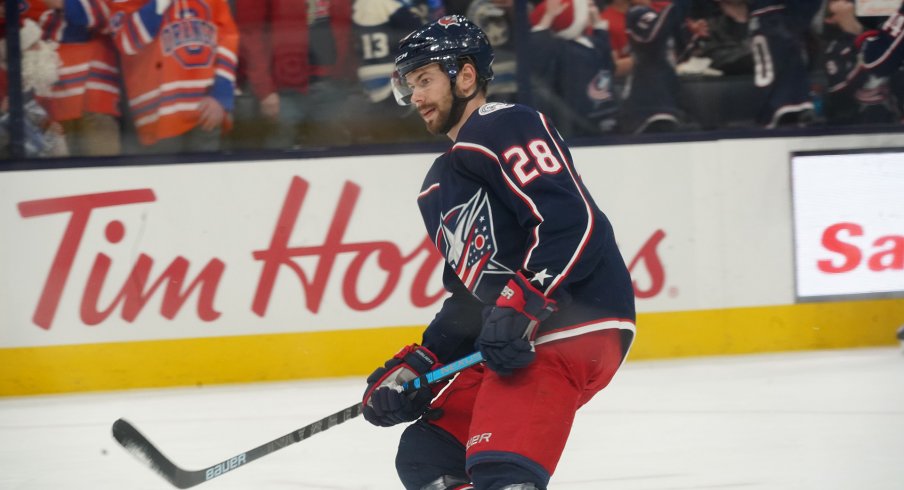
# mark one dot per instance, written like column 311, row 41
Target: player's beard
column 442, row 113
column 40, row 67
column 447, row 118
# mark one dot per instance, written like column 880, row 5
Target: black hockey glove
column 509, row 329
column 384, row 402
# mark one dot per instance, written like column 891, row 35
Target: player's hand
column 511, row 326
column 212, row 114
column 384, row 402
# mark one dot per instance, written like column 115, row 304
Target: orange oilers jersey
column 171, row 61
column 89, row 77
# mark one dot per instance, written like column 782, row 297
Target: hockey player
column 537, row 282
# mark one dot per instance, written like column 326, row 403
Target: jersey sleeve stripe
column 141, row 32
column 888, row 51
column 575, row 330
column 588, row 230
column 428, row 190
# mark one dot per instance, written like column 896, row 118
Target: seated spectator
column 86, row 98
column 574, row 82
column 298, row 59
column 778, row 29
column 854, row 95
column 727, row 43
column 651, row 102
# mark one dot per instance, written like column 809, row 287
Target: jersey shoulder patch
column 492, row 107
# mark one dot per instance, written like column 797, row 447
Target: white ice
column 826, row 420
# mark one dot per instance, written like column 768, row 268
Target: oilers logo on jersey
column 190, row 38
column 466, row 235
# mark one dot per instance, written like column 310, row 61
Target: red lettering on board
column 133, row 295
column 176, row 286
column 648, row 255
column 885, row 252
column 386, row 255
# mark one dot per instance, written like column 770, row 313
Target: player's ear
column 467, row 78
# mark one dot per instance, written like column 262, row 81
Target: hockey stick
column 139, row 446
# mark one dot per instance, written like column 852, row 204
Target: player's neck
column 470, row 107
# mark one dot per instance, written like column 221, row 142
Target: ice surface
column 813, row 420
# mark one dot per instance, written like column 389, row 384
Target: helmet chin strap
column 457, row 109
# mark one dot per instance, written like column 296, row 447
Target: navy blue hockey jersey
column 506, row 197
column 574, row 81
column 853, row 95
column 883, row 50
column 654, row 87
column 777, row 29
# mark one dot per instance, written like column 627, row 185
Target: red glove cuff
column 863, row 36
column 520, row 295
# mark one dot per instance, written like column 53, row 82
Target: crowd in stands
column 110, row 77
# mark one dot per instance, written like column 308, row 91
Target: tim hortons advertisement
column 131, row 253
column 849, row 224
column 179, row 251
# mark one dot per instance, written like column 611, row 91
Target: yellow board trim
column 238, row 359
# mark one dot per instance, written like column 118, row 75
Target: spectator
column 778, row 29
column 651, row 104
column 495, row 18
column 573, row 71
column 40, row 64
column 86, row 98
column 853, row 96
column 727, row 43
column 882, row 50
column 379, row 25
column 614, row 15
column 298, row 59
column 178, row 63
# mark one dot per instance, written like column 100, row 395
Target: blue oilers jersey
column 507, row 198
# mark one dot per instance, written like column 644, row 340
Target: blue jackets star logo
column 468, row 242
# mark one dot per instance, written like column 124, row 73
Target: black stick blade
column 142, row 449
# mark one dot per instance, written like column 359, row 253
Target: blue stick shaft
column 445, row 371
